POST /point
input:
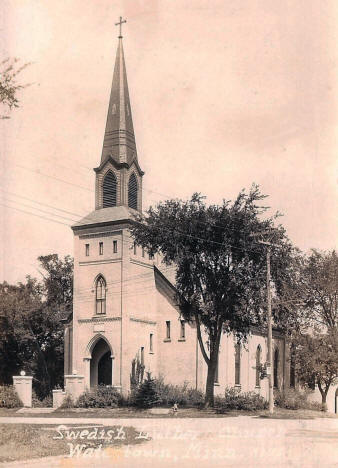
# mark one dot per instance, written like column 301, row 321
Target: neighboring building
column 124, row 300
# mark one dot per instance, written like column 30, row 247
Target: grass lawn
column 128, row 412
column 24, row 441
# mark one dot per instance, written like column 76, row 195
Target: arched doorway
column 104, row 370
column 101, row 364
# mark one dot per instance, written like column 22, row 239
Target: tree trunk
column 209, row 391
column 324, row 395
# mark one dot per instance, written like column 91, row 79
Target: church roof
column 119, row 137
column 117, row 214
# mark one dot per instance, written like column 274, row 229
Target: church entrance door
column 104, row 370
column 101, row 371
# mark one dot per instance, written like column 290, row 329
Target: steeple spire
column 119, row 138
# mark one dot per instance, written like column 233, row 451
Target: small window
column 292, row 370
column 151, row 256
column 258, row 366
column 275, row 368
column 134, row 248
column 101, row 248
column 237, row 364
column 168, row 330
column 142, row 356
column 182, row 336
column 151, row 349
column 87, row 250
column 142, row 251
column 115, row 246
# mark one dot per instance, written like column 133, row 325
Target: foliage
column 316, row 360
column 9, row 398
column 310, row 296
column 183, row 395
column 46, row 402
column 294, row 400
column 220, row 267
column 9, row 88
column 137, row 373
column 146, row 395
column 235, row 400
column 99, row 397
column 31, row 334
column 68, row 402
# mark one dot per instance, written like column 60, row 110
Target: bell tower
column 119, row 176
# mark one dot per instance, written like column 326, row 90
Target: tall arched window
column 100, row 295
column 109, row 190
column 258, row 365
column 132, row 192
column 292, row 368
column 275, row 368
column 237, row 364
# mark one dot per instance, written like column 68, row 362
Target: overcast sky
column 223, row 94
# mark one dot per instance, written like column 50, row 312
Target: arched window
column 237, row 364
column 100, row 296
column 292, row 368
column 132, row 192
column 258, row 365
column 109, row 190
column 275, row 368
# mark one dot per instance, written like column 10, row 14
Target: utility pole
column 269, row 317
column 268, row 298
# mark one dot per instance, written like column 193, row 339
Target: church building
column 124, row 306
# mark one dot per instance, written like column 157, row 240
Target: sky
column 223, row 94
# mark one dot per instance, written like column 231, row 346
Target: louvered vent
column 109, row 190
column 132, row 192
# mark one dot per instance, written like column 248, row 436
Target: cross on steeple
column 120, row 24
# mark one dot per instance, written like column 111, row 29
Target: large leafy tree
column 31, row 334
column 310, row 293
column 316, row 360
column 220, row 268
column 311, row 302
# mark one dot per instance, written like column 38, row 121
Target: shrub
column 68, row 402
column 235, row 400
column 183, row 395
column 46, row 402
column 146, row 394
column 9, row 398
column 99, row 397
column 294, row 399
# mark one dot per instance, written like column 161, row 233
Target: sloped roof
column 112, row 214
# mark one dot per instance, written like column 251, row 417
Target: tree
column 146, row 395
column 220, row 269
column 316, row 361
column 31, row 335
column 310, row 294
column 9, row 88
column 310, row 303
column 319, row 288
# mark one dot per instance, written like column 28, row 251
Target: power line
column 40, row 203
column 91, row 190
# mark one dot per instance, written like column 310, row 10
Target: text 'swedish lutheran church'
column 124, row 301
